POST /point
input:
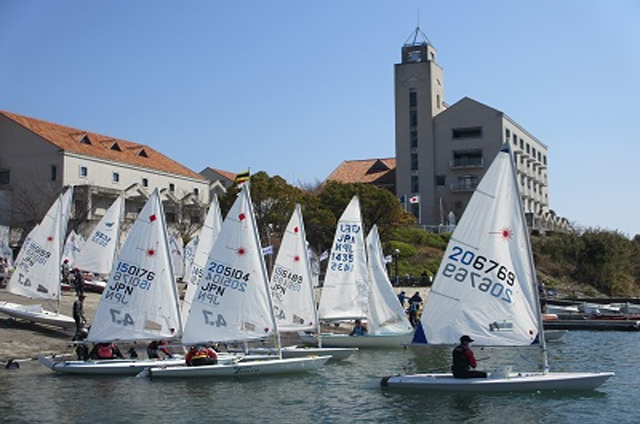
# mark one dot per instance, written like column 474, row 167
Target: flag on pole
column 267, row 250
column 388, row 259
column 403, row 199
column 242, row 178
column 414, row 199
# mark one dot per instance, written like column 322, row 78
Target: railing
column 467, row 163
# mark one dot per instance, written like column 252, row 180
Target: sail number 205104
column 475, row 268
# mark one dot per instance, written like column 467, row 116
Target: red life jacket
column 105, row 351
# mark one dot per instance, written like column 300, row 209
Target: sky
column 293, row 88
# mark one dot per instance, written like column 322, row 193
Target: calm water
column 342, row 392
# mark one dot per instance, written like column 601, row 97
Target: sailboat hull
column 368, row 341
column 35, row 313
column 118, row 366
column 336, row 353
column 513, row 382
column 266, row 367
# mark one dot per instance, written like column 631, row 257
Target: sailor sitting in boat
column 359, row 329
column 105, row 351
column 464, row 361
column 156, row 347
column 201, row 355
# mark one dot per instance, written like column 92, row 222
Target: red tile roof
column 229, row 175
column 100, row 146
column 370, row 171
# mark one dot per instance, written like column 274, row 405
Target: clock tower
column 419, row 96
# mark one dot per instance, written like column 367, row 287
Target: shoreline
column 21, row 340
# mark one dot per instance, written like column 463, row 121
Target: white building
column 442, row 151
column 39, row 158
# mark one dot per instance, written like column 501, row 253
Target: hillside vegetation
column 592, row 263
column 586, row 263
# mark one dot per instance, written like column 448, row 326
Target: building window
column 438, row 101
column 54, row 173
column 507, row 133
column 414, row 138
column 469, row 158
column 413, row 99
column 115, row 177
column 414, row 161
column 467, row 182
column 172, row 187
column 522, row 144
column 5, row 176
column 413, row 118
column 196, row 192
column 145, row 182
column 470, row 132
column 440, row 180
column 84, row 172
column 415, row 187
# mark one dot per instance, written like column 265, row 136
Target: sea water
column 341, row 392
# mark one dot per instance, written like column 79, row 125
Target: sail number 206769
column 474, row 268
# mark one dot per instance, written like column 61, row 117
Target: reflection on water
column 341, row 392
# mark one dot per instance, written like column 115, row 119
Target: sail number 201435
column 465, row 265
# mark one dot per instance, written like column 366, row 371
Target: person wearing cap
column 464, row 362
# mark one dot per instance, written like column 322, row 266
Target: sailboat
column 37, row 268
column 195, row 268
column 486, row 288
column 140, row 302
column 233, row 302
column 99, row 250
column 293, row 293
column 356, row 287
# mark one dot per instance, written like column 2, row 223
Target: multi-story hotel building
column 442, row 151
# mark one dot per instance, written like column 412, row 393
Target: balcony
column 466, row 162
column 464, row 186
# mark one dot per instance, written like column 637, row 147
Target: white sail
column 232, row 301
column 72, row 247
column 386, row 315
column 140, row 301
column 190, row 251
column 206, row 239
column 291, row 283
column 37, row 268
column 176, row 246
column 345, row 289
column 485, row 284
column 99, row 250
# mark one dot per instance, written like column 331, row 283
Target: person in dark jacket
column 464, row 360
column 78, row 282
column 78, row 313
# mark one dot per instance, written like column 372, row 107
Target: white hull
column 35, row 313
column 368, row 341
column 336, row 353
column 106, row 366
column 514, row 382
column 266, row 367
column 116, row 366
column 554, row 335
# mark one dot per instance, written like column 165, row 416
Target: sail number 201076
column 476, row 269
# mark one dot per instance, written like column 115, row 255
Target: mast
column 543, row 343
column 265, row 275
